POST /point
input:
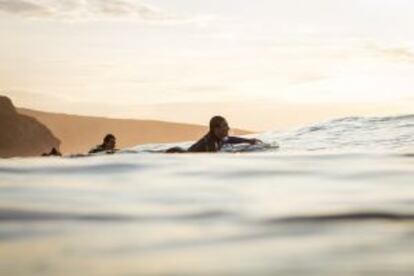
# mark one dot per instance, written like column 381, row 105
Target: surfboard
column 249, row 148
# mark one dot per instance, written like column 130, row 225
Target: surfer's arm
column 240, row 140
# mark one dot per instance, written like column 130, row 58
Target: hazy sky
column 128, row 58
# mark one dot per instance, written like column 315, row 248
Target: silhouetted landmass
column 80, row 133
column 22, row 135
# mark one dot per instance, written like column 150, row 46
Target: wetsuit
column 210, row 143
column 101, row 148
column 96, row 149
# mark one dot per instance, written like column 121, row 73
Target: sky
column 264, row 64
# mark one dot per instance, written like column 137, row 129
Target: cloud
column 393, row 53
column 24, row 8
column 81, row 10
column 399, row 53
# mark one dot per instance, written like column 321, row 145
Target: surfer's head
column 109, row 142
column 219, row 127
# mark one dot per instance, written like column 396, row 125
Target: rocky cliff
column 22, row 135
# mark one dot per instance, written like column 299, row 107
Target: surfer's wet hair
column 216, row 122
column 108, row 137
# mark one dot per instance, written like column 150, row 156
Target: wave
column 358, row 123
column 349, row 134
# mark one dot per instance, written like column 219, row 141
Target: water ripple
column 344, row 217
column 84, row 169
column 32, row 216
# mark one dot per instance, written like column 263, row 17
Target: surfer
column 107, row 146
column 53, row 152
column 215, row 138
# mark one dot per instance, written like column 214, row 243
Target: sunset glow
column 136, row 59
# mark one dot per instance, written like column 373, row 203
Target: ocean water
column 334, row 198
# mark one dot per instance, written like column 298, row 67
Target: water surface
column 337, row 198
